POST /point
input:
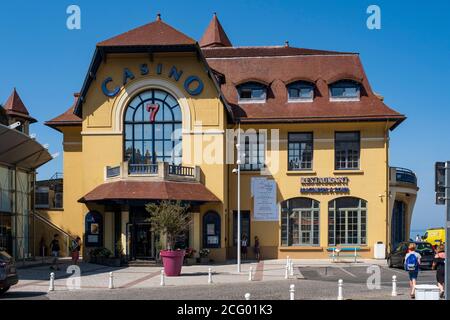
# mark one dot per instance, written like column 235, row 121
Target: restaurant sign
column 326, row 185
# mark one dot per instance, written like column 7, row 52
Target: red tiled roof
column 321, row 69
column 14, row 106
column 150, row 190
column 67, row 118
column 214, row 35
column 157, row 33
column 264, row 51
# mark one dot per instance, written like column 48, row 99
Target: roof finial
column 215, row 14
column 158, row 16
column 286, row 43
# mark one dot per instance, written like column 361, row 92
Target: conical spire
column 15, row 104
column 214, row 35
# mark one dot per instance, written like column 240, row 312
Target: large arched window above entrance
column 347, row 221
column 211, row 230
column 153, row 129
column 300, row 222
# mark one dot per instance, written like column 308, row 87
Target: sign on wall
column 327, row 185
column 264, row 193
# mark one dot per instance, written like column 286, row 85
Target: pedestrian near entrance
column 412, row 263
column 439, row 266
column 75, row 250
column 244, row 243
column 55, row 248
column 257, row 249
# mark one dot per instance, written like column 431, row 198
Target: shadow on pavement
column 24, row 295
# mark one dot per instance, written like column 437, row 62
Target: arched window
column 300, row 91
column 300, row 222
column 153, row 129
column 347, row 221
column 252, row 92
column 211, row 230
column 345, row 90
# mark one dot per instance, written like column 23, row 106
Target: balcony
column 404, row 177
column 158, row 172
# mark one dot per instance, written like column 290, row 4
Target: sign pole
column 447, row 229
column 238, row 162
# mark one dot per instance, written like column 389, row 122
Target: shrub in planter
column 171, row 219
column 204, row 255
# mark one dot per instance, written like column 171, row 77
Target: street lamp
column 238, row 172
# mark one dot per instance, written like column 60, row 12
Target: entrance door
column 143, row 241
column 398, row 227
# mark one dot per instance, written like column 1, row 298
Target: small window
column 345, row 90
column 300, row 91
column 42, row 198
column 300, row 151
column 252, row 91
column 254, row 157
column 347, row 150
column 211, row 230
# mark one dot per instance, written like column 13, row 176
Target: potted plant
column 190, row 253
column 170, row 219
column 204, row 255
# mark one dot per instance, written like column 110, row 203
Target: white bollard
column 247, row 296
column 291, row 271
column 111, row 281
column 394, row 286
column 340, row 294
column 52, row 282
column 287, row 261
column 292, row 292
column 250, row 274
column 162, row 283
column 210, row 276
column 286, row 273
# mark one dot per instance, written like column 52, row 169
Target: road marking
column 347, row 272
column 394, row 270
column 137, row 281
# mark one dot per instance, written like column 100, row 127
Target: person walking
column 244, row 244
column 412, row 263
column 257, row 249
column 75, row 250
column 439, row 266
column 55, row 248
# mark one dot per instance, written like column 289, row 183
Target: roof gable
column 152, row 34
column 14, row 106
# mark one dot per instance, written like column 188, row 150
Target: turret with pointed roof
column 16, row 111
column 214, row 35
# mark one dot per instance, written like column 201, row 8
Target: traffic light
column 440, row 182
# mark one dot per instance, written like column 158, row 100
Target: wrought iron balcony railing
column 404, row 176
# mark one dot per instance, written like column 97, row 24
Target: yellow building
column 158, row 117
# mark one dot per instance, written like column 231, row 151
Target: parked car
column 396, row 259
column 8, row 273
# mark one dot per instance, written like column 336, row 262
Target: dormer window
column 345, row 91
column 300, row 91
column 252, row 92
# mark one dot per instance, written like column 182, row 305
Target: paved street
column 312, row 279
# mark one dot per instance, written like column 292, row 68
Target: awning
column 18, row 149
column 150, row 190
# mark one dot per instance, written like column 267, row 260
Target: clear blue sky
column 407, row 61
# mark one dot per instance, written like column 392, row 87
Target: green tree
column 169, row 218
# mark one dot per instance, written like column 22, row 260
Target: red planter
column 172, row 261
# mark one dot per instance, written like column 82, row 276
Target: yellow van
column 434, row 236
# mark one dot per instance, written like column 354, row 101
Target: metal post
column 209, row 276
column 111, row 281
column 250, row 274
column 162, row 283
column 340, row 293
column 291, row 269
column 238, row 162
column 52, row 282
column 394, row 286
column 447, row 230
column 292, row 292
column 286, row 273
